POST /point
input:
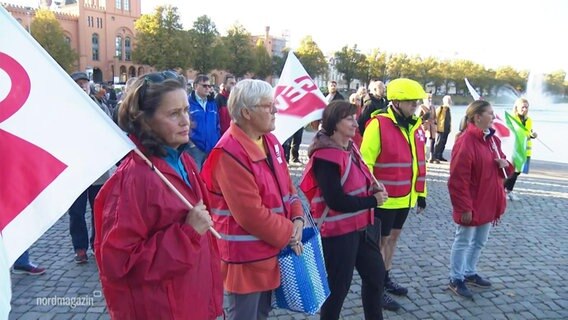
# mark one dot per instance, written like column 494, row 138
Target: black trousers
column 440, row 146
column 510, row 182
column 356, row 250
column 293, row 144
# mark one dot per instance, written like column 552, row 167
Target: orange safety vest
column 356, row 180
column 237, row 245
column 400, row 150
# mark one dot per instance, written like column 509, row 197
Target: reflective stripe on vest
column 345, row 215
column 394, row 165
column 238, row 238
column 343, row 179
column 227, row 212
column 351, row 193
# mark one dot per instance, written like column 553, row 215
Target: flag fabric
column 54, row 141
column 297, row 98
column 520, row 144
column 501, row 129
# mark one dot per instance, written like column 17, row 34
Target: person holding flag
column 521, row 125
column 156, row 258
column 393, row 147
column 477, row 171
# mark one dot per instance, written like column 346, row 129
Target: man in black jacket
column 373, row 101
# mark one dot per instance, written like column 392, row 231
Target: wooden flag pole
column 171, row 186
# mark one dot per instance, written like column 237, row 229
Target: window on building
column 126, row 5
column 118, row 4
column 99, row 23
column 95, row 45
column 127, row 49
column 68, row 40
column 118, row 47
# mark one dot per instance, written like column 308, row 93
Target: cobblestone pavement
column 526, row 259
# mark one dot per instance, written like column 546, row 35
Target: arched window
column 68, row 40
column 118, row 46
column 95, row 45
column 127, row 49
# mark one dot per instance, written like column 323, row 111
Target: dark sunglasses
column 157, row 77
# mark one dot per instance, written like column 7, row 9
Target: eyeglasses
column 268, row 107
column 157, row 77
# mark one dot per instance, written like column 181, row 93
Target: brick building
column 100, row 31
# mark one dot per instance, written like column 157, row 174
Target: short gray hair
column 246, row 94
column 446, row 100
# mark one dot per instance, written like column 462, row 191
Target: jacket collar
column 480, row 134
column 252, row 150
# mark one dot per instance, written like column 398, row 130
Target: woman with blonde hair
column 520, row 112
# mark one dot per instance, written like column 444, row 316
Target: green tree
column 239, row 50
column 508, row 75
column 351, row 63
column 48, row 32
column 205, row 46
column 555, row 82
column 377, row 62
column 161, row 41
column 311, row 57
column 278, row 62
column 263, row 62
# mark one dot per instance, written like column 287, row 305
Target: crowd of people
column 366, row 170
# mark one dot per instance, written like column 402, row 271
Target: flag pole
column 171, row 186
column 544, row 144
column 498, row 156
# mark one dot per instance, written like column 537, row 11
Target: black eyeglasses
column 157, row 77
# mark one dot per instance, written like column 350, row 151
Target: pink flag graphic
column 298, row 99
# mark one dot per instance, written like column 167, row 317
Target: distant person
column 125, row 89
column 443, row 126
column 221, row 100
column 292, row 147
column 428, row 115
column 393, row 148
column 206, row 130
column 521, row 111
column 333, row 93
column 343, row 194
column 156, row 257
column 357, row 99
column 476, row 192
column 77, row 224
column 373, row 102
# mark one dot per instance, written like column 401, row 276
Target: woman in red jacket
column 476, row 178
column 156, row 259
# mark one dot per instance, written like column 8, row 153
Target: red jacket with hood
column 476, row 182
column 151, row 264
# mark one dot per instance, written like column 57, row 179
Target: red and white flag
column 297, row 98
column 54, row 141
column 501, row 129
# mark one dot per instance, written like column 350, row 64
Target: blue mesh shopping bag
column 303, row 279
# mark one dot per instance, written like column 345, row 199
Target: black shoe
column 443, row 159
column 394, row 288
column 434, row 161
column 476, row 280
column 389, row 303
column 459, row 288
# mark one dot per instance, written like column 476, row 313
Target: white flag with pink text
column 297, row 98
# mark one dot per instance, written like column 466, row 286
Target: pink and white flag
column 297, row 98
column 54, row 141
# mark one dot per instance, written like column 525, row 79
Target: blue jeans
column 23, row 260
column 466, row 250
column 197, row 155
column 77, row 223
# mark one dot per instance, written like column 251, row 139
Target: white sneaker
column 512, row 196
